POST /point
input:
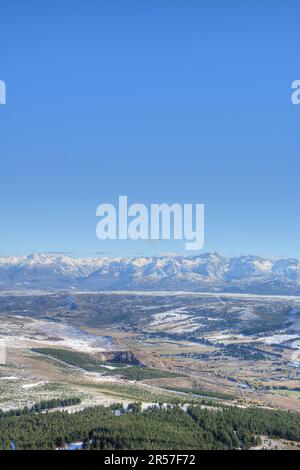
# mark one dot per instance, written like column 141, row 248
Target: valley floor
column 185, row 350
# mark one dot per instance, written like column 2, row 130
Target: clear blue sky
column 160, row 100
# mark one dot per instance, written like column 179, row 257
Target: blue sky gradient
column 163, row 101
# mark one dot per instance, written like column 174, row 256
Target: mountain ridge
column 207, row 272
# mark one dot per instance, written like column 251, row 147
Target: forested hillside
column 155, row 428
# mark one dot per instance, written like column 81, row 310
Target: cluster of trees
column 156, row 428
column 74, row 358
column 234, row 428
column 42, row 406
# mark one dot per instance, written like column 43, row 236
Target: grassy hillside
column 87, row 362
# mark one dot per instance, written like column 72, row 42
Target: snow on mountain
column 209, row 272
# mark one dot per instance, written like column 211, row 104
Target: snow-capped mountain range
column 210, row 272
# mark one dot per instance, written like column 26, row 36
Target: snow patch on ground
column 176, row 321
column 36, row 384
column 17, row 330
column 278, row 339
